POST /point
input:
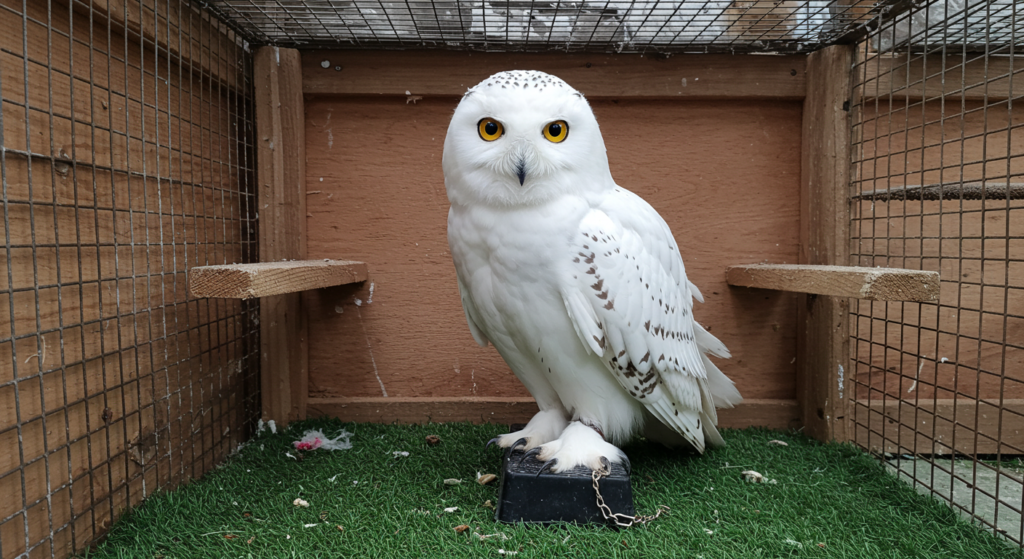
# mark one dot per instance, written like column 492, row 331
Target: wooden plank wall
column 122, row 168
column 716, row 155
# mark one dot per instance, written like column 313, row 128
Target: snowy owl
column 577, row 282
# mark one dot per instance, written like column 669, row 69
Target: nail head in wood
column 248, row 281
column 874, row 284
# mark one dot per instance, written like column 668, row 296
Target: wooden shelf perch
column 248, row 281
column 874, row 284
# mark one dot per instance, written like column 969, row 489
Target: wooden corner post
column 281, row 172
column 823, row 345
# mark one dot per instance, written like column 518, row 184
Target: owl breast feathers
column 577, row 282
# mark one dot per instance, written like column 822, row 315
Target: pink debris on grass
column 308, row 444
column 314, row 439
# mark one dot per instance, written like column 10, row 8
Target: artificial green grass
column 829, row 500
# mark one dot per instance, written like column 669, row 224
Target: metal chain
column 622, row 520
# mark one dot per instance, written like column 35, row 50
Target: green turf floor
column 827, row 501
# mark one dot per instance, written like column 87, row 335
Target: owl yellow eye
column 556, row 131
column 490, row 129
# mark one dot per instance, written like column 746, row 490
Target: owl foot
column 545, row 426
column 579, row 445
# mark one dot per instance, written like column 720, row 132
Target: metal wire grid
column 126, row 157
column 531, row 25
column 938, row 184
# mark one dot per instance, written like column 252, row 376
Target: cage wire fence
column 127, row 157
column 938, row 184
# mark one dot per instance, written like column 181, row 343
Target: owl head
column 522, row 138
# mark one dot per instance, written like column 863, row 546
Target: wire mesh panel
column 127, row 156
column 938, row 184
column 518, row 25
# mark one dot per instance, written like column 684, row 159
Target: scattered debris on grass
column 779, row 443
column 484, row 479
column 332, row 478
column 451, row 509
column 229, row 536
column 310, row 525
column 752, row 476
column 821, row 545
column 290, row 455
column 755, row 477
column 400, row 454
column 504, row 552
column 461, row 528
column 250, row 539
column 484, row 537
column 488, row 504
column 261, row 426
column 433, row 440
column 323, row 516
column 341, row 528
column 452, row 481
column 314, row 439
column 794, row 543
column 299, row 502
column 708, row 532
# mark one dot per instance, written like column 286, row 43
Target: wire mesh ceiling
column 612, row 26
column 529, row 25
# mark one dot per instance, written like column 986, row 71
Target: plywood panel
column 724, row 174
column 913, row 77
column 431, row 73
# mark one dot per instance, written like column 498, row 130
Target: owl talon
column 606, row 465
column 492, row 441
column 508, row 451
column 546, row 465
column 532, row 452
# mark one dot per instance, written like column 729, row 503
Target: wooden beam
column 248, row 281
column 281, row 176
column 916, row 76
column 873, row 284
column 976, row 190
column 936, row 427
column 775, row 414
column 822, row 328
column 451, row 73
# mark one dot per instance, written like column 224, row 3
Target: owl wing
column 628, row 297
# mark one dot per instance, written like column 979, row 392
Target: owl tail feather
column 723, row 391
column 711, row 435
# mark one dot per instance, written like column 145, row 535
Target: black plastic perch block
column 569, row 496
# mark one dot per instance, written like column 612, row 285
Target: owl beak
column 521, row 172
